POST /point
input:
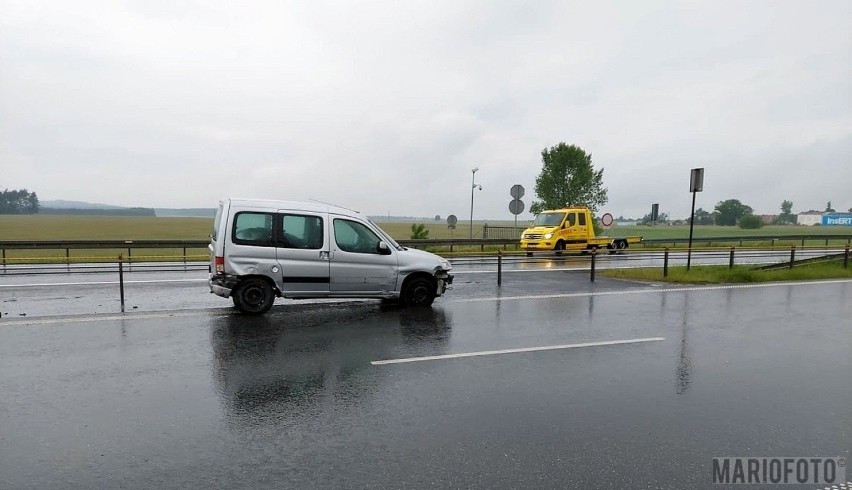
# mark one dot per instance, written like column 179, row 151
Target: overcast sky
column 387, row 106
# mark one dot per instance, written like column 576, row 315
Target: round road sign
column 452, row 220
column 606, row 220
column 516, row 206
column 517, row 191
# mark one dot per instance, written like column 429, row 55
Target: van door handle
column 324, row 255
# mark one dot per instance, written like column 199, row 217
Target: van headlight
column 548, row 236
column 445, row 264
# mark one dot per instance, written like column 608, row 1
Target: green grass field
column 52, row 227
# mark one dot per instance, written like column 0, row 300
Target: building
column 809, row 218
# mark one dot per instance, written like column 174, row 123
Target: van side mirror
column 383, row 249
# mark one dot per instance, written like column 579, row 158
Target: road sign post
column 696, row 184
column 516, row 206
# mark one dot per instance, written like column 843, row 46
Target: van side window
column 572, row 218
column 298, row 231
column 582, row 217
column 253, row 229
column 354, row 237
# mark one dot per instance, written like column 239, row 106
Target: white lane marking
column 117, row 317
column 515, row 351
column 662, row 289
column 97, row 283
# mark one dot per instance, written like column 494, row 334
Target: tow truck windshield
column 548, row 219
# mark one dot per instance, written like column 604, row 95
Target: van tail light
column 220, row 265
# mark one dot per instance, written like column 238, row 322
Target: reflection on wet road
column 210, row 398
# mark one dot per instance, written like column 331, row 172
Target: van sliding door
column 302, row 250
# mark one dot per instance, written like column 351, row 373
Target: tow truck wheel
column 419, row 292
column 253, row 296
column 560, row 246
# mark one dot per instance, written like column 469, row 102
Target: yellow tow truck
column 570, row 229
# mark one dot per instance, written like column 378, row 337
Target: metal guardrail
column 504, row 243
column 742, row 239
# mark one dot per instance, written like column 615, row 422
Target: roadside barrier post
column 68, row 258
column 731, row 262
column 499, row 267
column 666, row 263
column 792, row 255
column 121, row 280
column 846, row 258
column 594, row 254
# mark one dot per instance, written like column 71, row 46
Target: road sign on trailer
column 606, row 221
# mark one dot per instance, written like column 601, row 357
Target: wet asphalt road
column 207, row 398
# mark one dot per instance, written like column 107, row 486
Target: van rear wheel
column 419, row 292
column 253, row 296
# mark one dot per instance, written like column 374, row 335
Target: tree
column 661, row 218
column 702, row 217
column 730, row 211
column 19, row 201
column 568, row 178
column 786, row 217
column 828, row 208
column 751, row 222
column 419, row 231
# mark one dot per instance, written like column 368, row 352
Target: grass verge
column 739, row 274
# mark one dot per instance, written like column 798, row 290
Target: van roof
column 316, row 207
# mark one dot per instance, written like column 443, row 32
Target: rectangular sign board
column 840, row 219
column 696, row 180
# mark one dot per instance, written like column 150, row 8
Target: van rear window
column 215, row 234
column 253, row 229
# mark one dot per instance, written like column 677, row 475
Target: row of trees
column 19, row 201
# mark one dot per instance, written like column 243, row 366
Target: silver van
column 261, row 249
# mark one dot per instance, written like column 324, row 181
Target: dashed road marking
column 515, row 351
column 646, row 291
column 97, row 283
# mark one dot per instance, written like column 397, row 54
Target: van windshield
column 386, row 237
column 548, row 219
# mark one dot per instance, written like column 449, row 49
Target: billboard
column 837, row 219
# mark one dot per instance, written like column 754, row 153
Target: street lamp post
column 473, row 187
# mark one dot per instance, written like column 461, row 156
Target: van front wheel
column 419, row 292
column 253, row 296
